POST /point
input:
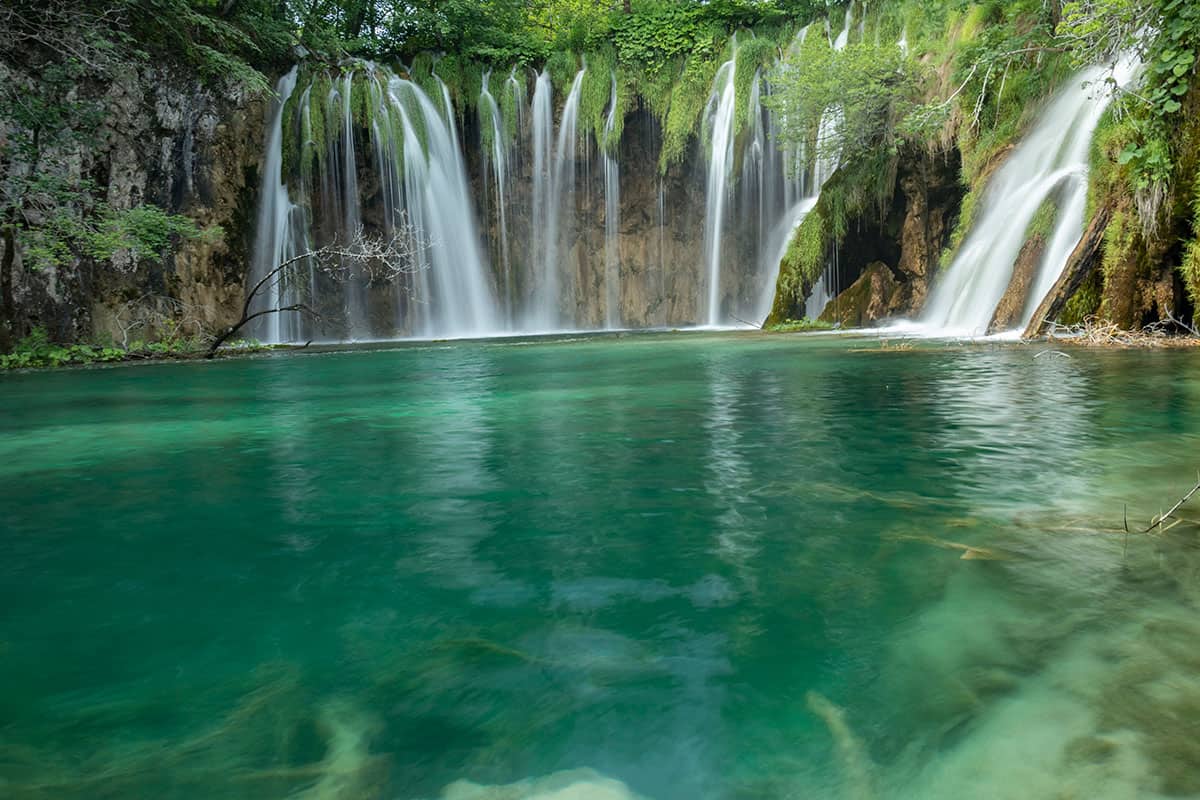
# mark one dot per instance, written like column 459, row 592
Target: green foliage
column 1166, row 33
column 562, row 66
column 463, row 76
column 799, row 326
column 596, row 90
column 688, row 98
column 1189, row 269
column 72, row 224
column 754, row 57
column 806, row 253
column 36, row 350
column 874, row 86
column 1084, row 303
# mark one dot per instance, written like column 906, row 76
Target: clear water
column 704, row 566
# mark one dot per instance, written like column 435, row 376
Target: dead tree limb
column 1161, row 518
column 373, row 259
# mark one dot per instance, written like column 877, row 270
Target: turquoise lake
column 673, row 566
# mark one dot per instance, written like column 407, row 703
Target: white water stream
column 1050, row 162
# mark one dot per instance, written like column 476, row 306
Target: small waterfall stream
column 555, row 195
column 719, row 125
column 1050, row 164
column 280, row 234
column 497, row 157
column 612, row 218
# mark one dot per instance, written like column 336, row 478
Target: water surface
column 704, row 566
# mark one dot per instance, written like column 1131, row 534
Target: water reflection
column 719, row 567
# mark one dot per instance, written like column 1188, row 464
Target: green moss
column 421, row 73
column 806, row 253
column 966, row 218
column 1084, row 303
column 1119, row 239
column 753, row 57
column 1106, row 177
column 688, row 98
column 798, row 326
column 1042, row 223
column 1189, row 269
column 656, row 87
column 596, row 90
column 463, row 78
column 562, row 66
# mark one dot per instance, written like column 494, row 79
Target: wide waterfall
column 1046, row 173
column 370, row 118
column 515, row 232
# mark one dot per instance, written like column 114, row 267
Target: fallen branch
column 1158, row 521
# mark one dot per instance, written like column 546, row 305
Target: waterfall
column 497, row 155
column 543, row 298
column 280, row 232
column 413, row 145
column 1051, row 161
column 612, row 218
column 564, row 183
column 827, row 162
column 844, row 37
column 719, row 117
column 351, row 214
column 553, row 193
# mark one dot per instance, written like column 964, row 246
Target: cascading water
column 281, row 232
column 1052, row 161
column 828, row 160
column 360, row 148
column 497, row 157
column 719, row 117
column 422, row 182
column 554, row 193
column 543, row 298
column 612, row 218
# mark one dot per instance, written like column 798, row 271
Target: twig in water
column 1163, row 517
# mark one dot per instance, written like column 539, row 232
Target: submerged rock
column 577, row 784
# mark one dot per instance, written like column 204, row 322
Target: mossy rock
column 866, row 300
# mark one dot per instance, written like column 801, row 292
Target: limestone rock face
column 866, row 301
column 660, row 245
column 932, row 198
column 190, row 148
column 1011, row 308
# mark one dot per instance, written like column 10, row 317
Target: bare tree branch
column 362, row 257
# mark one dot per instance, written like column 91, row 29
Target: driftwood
column 1161, row 518
column 1079, row 264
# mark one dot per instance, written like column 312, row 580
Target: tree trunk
column 1080, row 263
